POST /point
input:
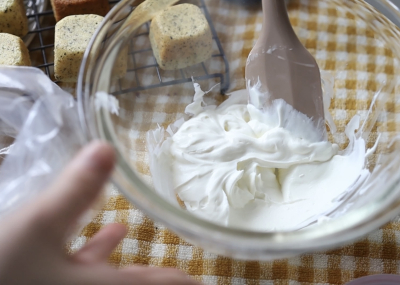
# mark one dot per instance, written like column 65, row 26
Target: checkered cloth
column 339, row 41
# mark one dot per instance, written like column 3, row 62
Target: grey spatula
column 284, row 67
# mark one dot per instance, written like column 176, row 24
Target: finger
column 153, row 276
column 99, row 248
column 79, row 184
column 105, row 275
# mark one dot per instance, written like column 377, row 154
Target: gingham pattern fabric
column 150, row 243
column 339, row 41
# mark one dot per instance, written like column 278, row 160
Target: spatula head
column 289, row 74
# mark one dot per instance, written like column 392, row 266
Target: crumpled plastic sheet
column 44, row 121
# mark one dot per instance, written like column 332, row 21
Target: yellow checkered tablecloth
column 339, row 41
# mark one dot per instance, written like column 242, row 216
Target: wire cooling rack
column 41, row 46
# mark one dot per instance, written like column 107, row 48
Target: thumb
column 78, row 185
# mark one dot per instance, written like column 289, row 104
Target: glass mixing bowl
column 350, row 40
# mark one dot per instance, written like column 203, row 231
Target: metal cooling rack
column 42, row 55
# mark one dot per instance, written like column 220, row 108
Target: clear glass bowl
column 349, row 39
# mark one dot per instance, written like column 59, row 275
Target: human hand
column 32, row 239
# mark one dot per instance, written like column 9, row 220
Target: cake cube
column 121, row 64
column 64, row 8
column 13, row 18
column 13, row 51
column 72, row 36
column 180, row 36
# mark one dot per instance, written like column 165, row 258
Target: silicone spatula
column 283, row 67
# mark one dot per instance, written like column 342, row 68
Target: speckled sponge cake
column 13, row 18
column 13, row 51
column 72, row 36
column 64, row 8
column 180, row 36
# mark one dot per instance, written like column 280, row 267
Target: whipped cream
column 254, row 168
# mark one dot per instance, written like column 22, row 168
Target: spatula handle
column 276, row 22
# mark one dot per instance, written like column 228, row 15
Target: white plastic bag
column 44, row 121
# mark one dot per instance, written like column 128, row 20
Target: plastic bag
column 44, row 121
